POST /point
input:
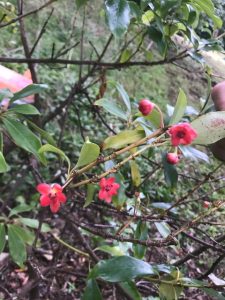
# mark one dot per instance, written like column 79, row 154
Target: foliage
column 85, row 116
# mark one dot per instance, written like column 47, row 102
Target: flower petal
column 45, row 200
column 108, row 198
column 54, row 206
column 43, row 188
column 57, row 187
column 61, row 197
column 102, row 194
column 102, row 182
column 110, row 180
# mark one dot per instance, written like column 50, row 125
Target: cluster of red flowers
column 181, row 134
column 52, row 195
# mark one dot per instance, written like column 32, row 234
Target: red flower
column 146, row 107
column 206, row 204
column 51, row 195
column 172, row 158
column 108, row 189
column 182, row 133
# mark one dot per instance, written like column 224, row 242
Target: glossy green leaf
column 148, row 17
column 22, row 136
column 112, row 107
column 44, row 134
column 135, row 173
column 50, row 148
column 213, row 122
column 118, row 16
column 179, row 108
column 3, row 165
column 33, row 223
column 193, row 153
column 5, row 94
column 126, row 54
column 112, row 250
column 28, row 91
column 169, row 291
column 92, row 291
column 131, row 290
column 121, row 268
column 123, row 138
column 25, row 109
column 163, row 228
column 123, row 94
column 25, row 234
column 89, row 152
column 208, row 7
column 141, row 233
column 2, row 237
column 17, row 246
column 90, row 194
column 19, row 209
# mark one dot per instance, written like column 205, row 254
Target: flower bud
column 206, row 204
column 146, row 107
column 172, row 158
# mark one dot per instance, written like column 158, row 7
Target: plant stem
column 69, row 246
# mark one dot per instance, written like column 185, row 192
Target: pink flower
column 108, row 189
column 146, row 107
column 51, row 195
column 172, row 158
column 182, row 134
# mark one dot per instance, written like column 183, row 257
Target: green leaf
column 170, row 173
column 213, row 123
column 90, row 194
column 135, row 173
column 123, row 138
column 29, row 90
column 193, row 153
column 112, row 107
column 2, row 237
column 163, row 229
column 26, row 235
column 44, row 134
column 81, row 3
column 148, row 17
column 5, row 93
column 118, row 16
column 123, row 94
column 112, row 250
column 126, row 54
column 208, row 7
column 141, row 233
column 19, row 209
column 50, row 148
column 131, row 289
column 92, row 291
column 22, row 136
column 3, row 165
column 89, row 153
column 169, row 291
column 17, row 247
column 179, row 108
column 25, row 109
column 33, row 223
column 121, row 268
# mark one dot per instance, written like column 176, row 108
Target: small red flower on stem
column 51, row 195
column 108, row 189
column 182, row 134
column 146, row 107
column 172, row 158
